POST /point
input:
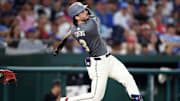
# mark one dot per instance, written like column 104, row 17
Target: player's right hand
column 56, row 52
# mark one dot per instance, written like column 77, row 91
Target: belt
column 100, row 58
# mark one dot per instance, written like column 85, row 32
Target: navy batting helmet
column 76, row 8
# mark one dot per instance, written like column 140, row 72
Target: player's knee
column 98, row 97
column 130, row 78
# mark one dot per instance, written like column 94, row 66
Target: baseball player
column 101, row 64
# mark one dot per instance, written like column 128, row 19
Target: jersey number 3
column 84, row 44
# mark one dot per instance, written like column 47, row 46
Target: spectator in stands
column 146, row 51
column 160, row 27
column 168, row 50
column 132, row 47
column 19, row 3
column 31, row 44
column 159, row 9
column 167, row 7
column 171, row 30
column 174, row 18
column 3, row 33
column 66, row 12
column 44, row 25
column 14, row 35
column 177, row 5
column 118, row 33
column 90, row 4
column 178, row 29
column 44, row 7
column 151, row 7
column 7, row 13
column 144, row 35
column 55, row 93
column 35, row 5
column 25, row 21
column 154, row 44
column 122, row 17
column 116, row 47
column 57, row 6
column 29, row 9
column 112, row 6
column 142, row 16
column 62, row 25
column 106, row 17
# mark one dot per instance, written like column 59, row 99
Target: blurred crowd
column 147, row 27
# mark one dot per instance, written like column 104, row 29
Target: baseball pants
column 99, row 69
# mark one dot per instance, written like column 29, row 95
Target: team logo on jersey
column 79, row 33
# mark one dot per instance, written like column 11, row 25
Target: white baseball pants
column 99, row 71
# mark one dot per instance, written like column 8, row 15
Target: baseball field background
column 143, row 34
column 35, row 74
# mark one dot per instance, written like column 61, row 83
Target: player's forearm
column 64, row 41
column 60, row 46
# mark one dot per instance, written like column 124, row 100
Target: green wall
column 33, row 86
column 78, row 60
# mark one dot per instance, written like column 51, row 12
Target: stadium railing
column 149, row 72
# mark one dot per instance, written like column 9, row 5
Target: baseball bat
column 59, row 46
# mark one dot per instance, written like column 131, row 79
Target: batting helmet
column 76, row 8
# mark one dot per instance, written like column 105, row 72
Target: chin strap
column 136, row 98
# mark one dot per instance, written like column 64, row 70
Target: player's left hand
column 56, row 52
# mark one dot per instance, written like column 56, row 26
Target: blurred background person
column 14, row 36
column 150, row 20
column 62, row 25
column 154, row 45
column 44, row 25
column 141, row 15
column 122, row 17
column 45, row 6
column 31, row 43
column 160, row 27
column 116, row 47
column 55, row 92
column 144, row 35
column 105, row 17
column 25, row 19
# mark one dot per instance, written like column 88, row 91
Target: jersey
column 88, row 35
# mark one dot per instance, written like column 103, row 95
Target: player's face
column 83, row 16
column 57, row 90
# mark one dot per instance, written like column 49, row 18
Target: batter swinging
column 101, row 64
